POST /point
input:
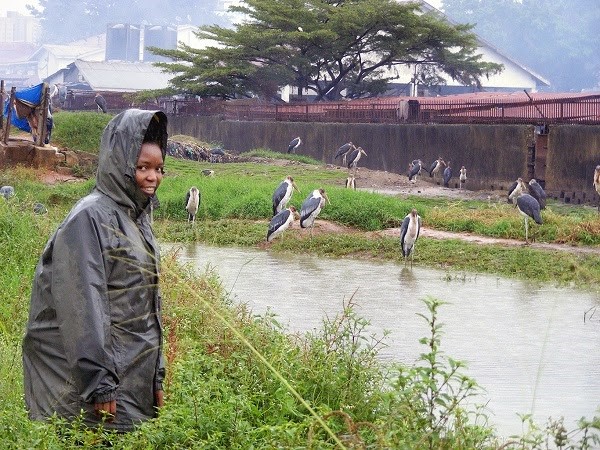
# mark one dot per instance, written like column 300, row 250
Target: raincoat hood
column 120, row 148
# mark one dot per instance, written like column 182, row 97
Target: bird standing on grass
column 192, row 202
column 409, row 233
column 529, row 207
column 537, row 192
column 294, row 144
column 311, row 207
column 101, row 103
column 283, row 193
column 281, row 222
column 415, row 170
column 462, row 177
column 351, row 182
column 596, row 183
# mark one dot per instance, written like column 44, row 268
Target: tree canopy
column 65, row 21
column 331, row 49
column 557, row 39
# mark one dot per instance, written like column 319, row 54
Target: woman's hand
column 107, row 410
column 160, row 401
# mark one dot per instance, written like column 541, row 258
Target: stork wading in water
column 596, row 183
column 447, row 174
column 294, row 144
column 281, row 222
column 283, row 193
column 192, row 202
column 101, row 103
column 462, row 178
column 343, row 151
column 311, row 207
column 409, row 233
column 436, row 167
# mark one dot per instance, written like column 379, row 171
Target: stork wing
column 279, row 219
column 308, row 207
column 403, row 230
column 187, row 199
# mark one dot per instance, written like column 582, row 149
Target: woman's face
column 149, row 169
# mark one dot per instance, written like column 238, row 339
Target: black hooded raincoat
column 94, row 332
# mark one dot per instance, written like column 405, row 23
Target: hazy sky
column 15, row 5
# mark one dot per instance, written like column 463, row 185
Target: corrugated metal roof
column 121, row 76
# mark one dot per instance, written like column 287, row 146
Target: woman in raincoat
column 93, row 344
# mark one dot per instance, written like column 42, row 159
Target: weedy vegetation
column 237, row 380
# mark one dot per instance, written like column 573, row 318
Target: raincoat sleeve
column 80, row 290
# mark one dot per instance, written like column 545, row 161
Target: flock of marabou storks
column 530, row 197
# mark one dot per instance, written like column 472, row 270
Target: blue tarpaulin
column 32, row 97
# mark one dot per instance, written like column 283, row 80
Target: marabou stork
column 436, row 166
column 283, row 193
column 515, row 189
column 192, row 202
column 101, row 103
column 447, row 174
column 409, row 232
column 528, row 206
column 344, row 150
column 7, row 192
column 462, row 177
column 294, row 144
column 281, row 222
column 596, row 182
column 311, row 207
column 537, row 192
column 415, row 170
column 353, row 157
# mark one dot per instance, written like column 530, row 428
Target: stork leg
column 526, row 230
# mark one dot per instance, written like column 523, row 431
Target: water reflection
column 526, row 343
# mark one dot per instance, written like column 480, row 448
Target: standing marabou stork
column 409, row 233
column 192, row 202
column 344, row 150
column 415, row 170
column 101, row 103
column 462, row 177
column 283, row 193
column 537, row 192
column 528, row 206
column 596, row 182
column 294, row 144
column 352, row 160
column 436, row 167
column 311, row 207
column 447, row 174
column 281, row 222
column 515, row 189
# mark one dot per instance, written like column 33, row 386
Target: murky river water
column 534, row 348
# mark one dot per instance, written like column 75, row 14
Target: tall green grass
column 79, row 130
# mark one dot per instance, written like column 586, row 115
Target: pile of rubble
column 195, row 152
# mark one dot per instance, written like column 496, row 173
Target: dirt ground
column 398, row 184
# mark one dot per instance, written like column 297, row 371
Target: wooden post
column 42, row 116
column 2, row 108
column 9, row 115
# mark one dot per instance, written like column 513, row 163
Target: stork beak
column 327, row 198
column 296, row 187
column 364, row 153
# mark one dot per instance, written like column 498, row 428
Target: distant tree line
column 558, row 39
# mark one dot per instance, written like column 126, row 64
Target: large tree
column 328, row 48
column 557, row 39
column 65, row 21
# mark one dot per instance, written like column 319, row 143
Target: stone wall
column 494, row 155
